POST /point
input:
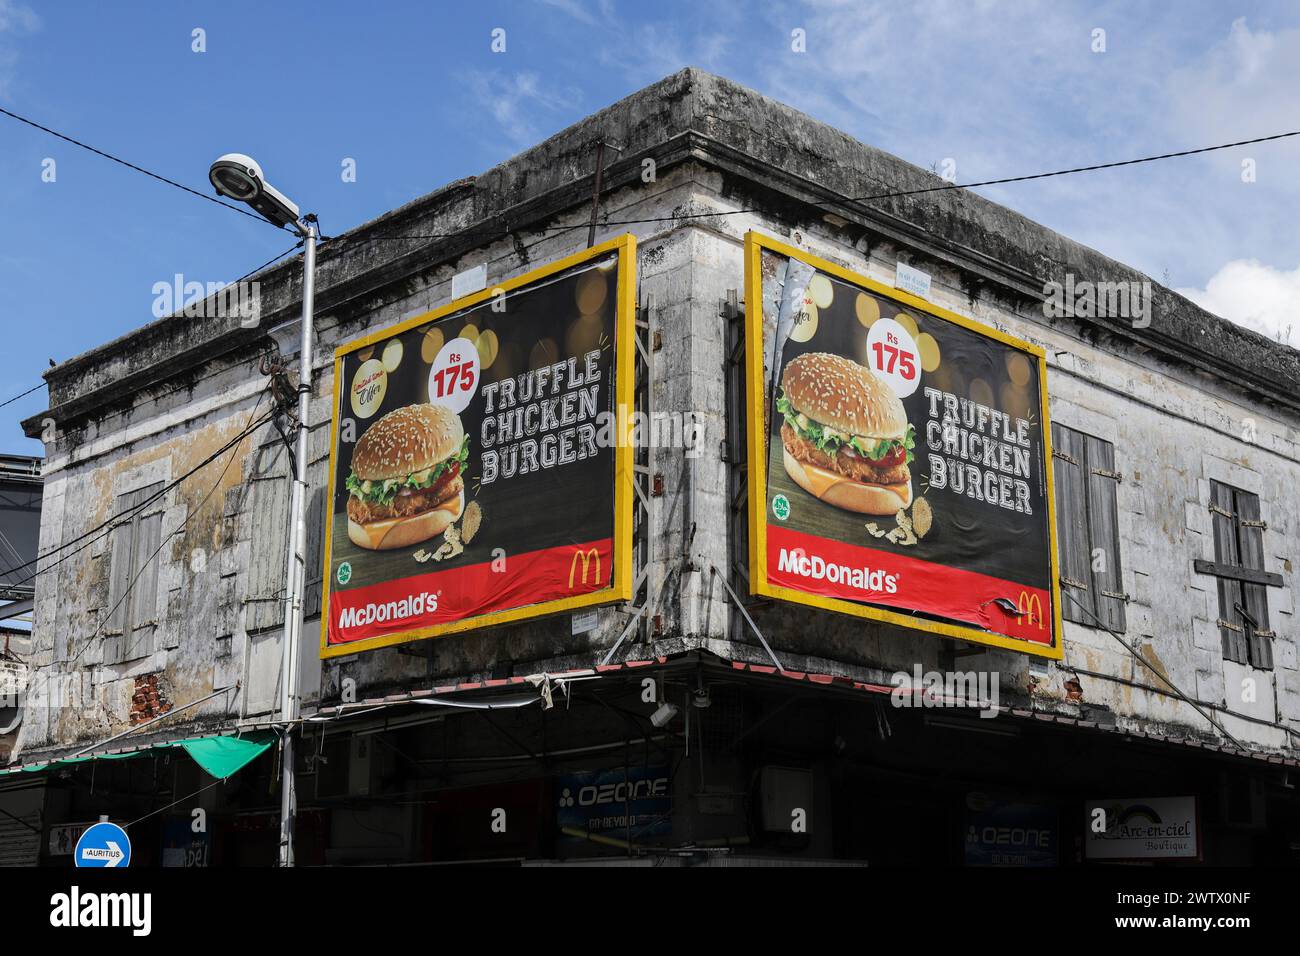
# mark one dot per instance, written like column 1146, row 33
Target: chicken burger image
column 846, row 436
column 405, row 486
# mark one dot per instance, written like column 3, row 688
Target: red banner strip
column 457, row 593
column 803, row 562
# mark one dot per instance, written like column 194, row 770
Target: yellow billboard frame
column 755, row 243
column 620, row 588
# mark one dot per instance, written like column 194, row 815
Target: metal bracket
column 748, row 620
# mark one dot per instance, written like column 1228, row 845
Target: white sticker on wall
column 911, row 280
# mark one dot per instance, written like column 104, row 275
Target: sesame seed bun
column 839, row 392
column 407, row 440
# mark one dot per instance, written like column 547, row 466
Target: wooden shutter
column 121, row 561
column 1224, row 514
column 1103, row 528
column 1250, row 542
column 143, row 601
column 315, row 553
column 269, row 512
column 133, row 576
column 1070, row 457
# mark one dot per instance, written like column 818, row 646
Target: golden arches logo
column 588, row 557
column 1029, row 604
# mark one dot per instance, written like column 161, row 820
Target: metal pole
column 595, row 197
column 295, row 573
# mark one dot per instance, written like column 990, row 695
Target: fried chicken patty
column 843, row 463
column 405, row 502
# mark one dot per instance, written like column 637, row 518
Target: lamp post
column 240, row 177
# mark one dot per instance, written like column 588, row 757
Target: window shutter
column 1070, row 454
column 1103, row 525
column 144, row 591
column 1250, row 537
column 1223, row 512
column 270, row 513
column 315, row 553
column 120, row 564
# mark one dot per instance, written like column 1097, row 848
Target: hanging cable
column 247, row 430
column 1149, row 666
column 138, row 169
column 875, row 197
column 107, row 525
column 10, row 401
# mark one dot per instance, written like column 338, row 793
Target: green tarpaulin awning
column 219, row 756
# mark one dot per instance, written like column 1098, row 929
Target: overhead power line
column 248, row 429
column 106, row 526
column 875, row 197
column 138, row 169
column 10, row 401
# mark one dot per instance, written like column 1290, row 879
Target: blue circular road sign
column 103, row 844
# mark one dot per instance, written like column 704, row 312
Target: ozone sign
column 621, row 801
column 481, row 465
column 899, row 457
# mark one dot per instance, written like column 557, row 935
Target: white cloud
column 648, row 52
column 1246, row 85
column 573, row 8
column 517, row 102
column 1254, row 295
column 15, row 20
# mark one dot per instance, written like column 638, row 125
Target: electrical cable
column 203, row 378
column 188, row 796
column 1148, row 665
column 108, row 524
column 179, row 528
column 23, row 395
column 859, row 199
column 138, row 169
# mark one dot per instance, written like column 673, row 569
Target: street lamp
column 239, row 177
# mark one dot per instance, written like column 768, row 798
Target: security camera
column 663, row 715
column 237, row 176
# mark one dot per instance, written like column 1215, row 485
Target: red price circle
column 453, row 377
column 892, row 354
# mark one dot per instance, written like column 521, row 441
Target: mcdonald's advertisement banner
column 480, row 468
column 899, row 457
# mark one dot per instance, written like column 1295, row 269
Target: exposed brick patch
column 148, row 700
column 1073, row 689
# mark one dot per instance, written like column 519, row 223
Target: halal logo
column 345, row 572
column 781, row 507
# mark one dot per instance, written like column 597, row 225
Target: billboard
column 1149, row 828
column 480, row 468
column 623, row 802
column 899, row 457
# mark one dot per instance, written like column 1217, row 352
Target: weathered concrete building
column 1185, row 424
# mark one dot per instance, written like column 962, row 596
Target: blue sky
column 413, row 93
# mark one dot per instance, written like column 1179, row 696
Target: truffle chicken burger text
column 846, row 437
column 406, row 482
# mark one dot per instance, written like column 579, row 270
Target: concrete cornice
column 770, row 154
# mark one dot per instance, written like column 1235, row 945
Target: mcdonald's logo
column 588, row 556
column 1029, row 604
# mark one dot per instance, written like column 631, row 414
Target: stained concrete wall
column 1171, row 397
